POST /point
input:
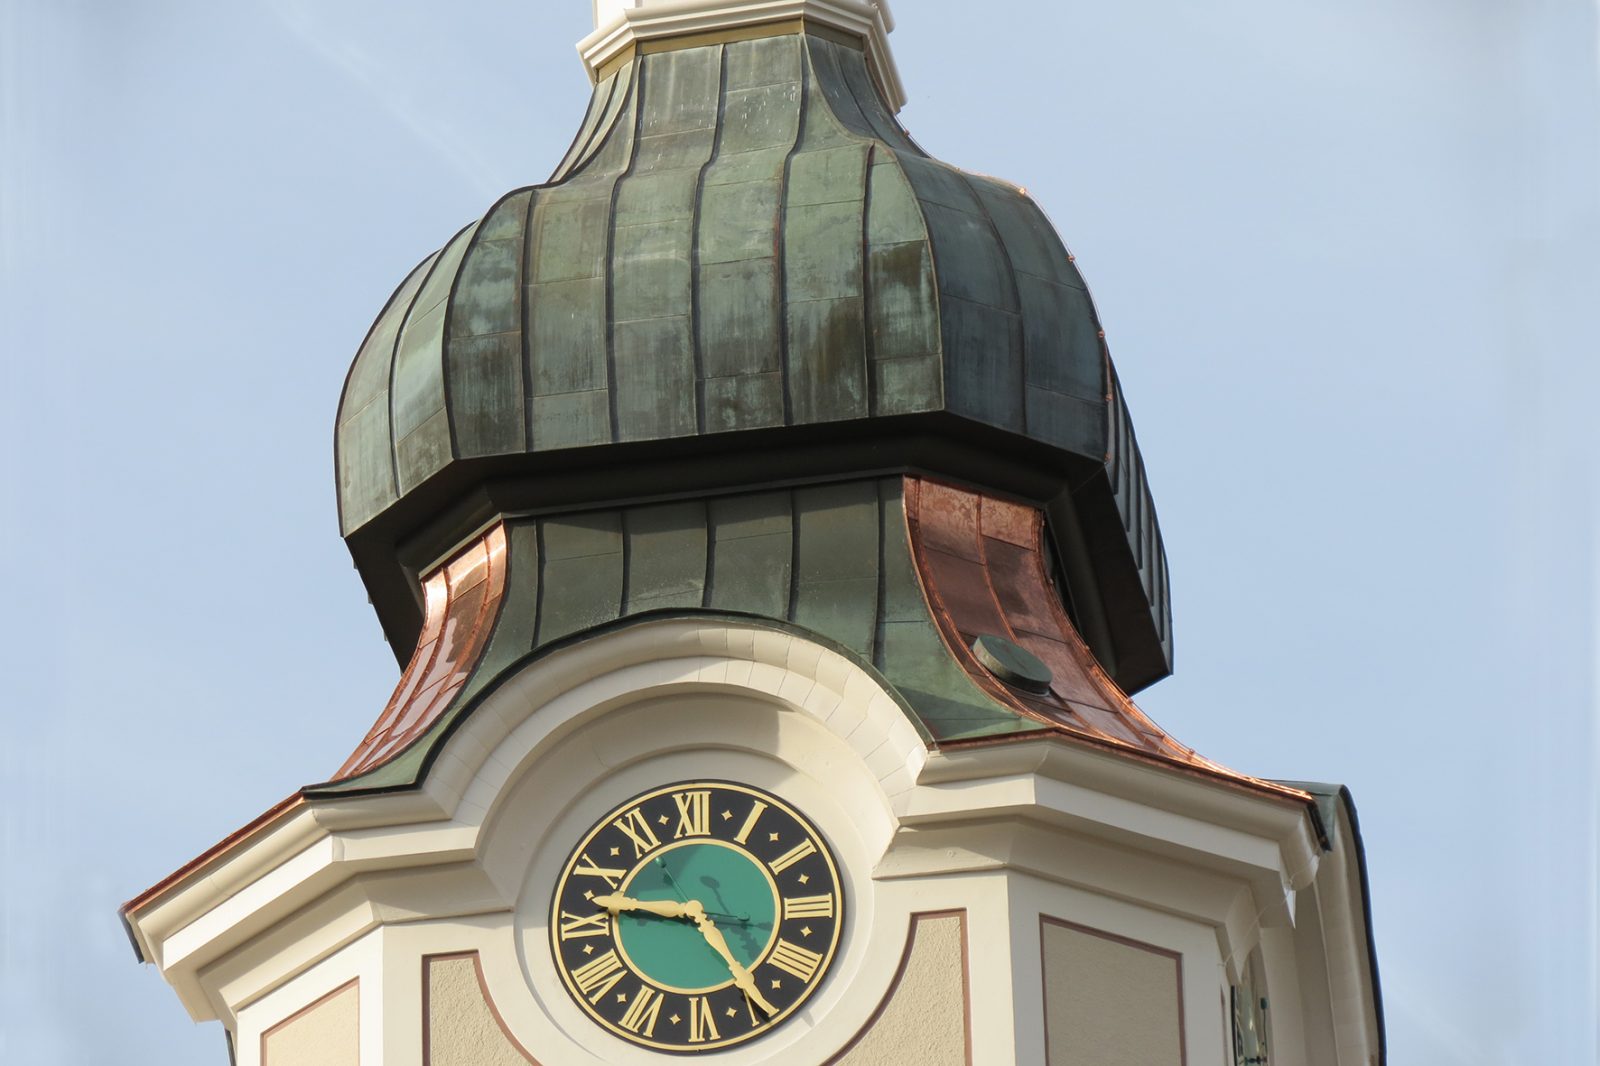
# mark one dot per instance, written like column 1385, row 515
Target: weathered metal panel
column 743, row 401
column 853, row 66
column 824, row 291
column 366, row 463
column 765, row 61
column 829, row 79
column 1068, row 422
column 606, row 104
column 1063, row 342
column 907, row 386
column 514, row 630
column 651, row 273
column 983, row 362
column 739, row 318
column 684, row 88
column 424, row 451
column 666, row 553
column 483, row 354
column 581, row 574
column 762, row 117
column 836, row 556
column 653, row 391
column 971, row 263
column 571, row 419
column 829, row 176
column 752, row 554
column 904, row 309
column 738, row 221
column 827, row 374
column 417, row 396
column 1028, row 236
column 487, row 395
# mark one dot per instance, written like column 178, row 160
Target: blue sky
column 1344, row 252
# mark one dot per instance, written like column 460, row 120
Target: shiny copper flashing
column 982, row 566
column 460, row 602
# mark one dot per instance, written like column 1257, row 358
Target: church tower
column 759, row 522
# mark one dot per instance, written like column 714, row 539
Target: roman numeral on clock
column 579, row 925
column 643, row 1011
column 694, row 814
column 743, row 836
column 586, row 868
column 634, row 826
column 792, row 958
column 808, row 907
column 793, row 855
column 598, row 976
column 702, row 1023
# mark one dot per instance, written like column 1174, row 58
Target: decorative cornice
column 626, row 24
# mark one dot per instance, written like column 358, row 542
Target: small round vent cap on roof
column 1012, row 664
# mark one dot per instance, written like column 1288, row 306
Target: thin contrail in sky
column 369, row 74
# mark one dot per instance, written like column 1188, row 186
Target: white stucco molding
column 322, row 873
column 621, row 24
column 1267, row 842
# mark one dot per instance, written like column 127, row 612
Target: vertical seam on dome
column 344, row 392
column 449, row 321
column 1011, row 276
column 880, row 626
column 394, row 360
column 627, row 561
column 611, row 254
column 711, row 557
column 525, row 317
column 792, row 608
column 869, row 336
column 543, row 579
column 585, row 135
column 867, row 115
column 696, row 325
column 783, row 238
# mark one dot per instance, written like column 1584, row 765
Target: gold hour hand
column 661, row 908
column 741, row 976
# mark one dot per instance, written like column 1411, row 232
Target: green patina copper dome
column 746, row 272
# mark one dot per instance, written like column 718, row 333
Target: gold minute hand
column 661, row 908
column 741, row 976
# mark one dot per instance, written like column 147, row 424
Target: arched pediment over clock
column 569, row 736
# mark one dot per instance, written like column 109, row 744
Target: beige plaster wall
column 1109, row 1001
column 327, row 1033
column 923, row 1019
column 463, row 1029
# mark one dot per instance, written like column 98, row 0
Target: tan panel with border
column 463, row 1027
column 327, row 1033
column 1109, row 1001
column 923, row 1019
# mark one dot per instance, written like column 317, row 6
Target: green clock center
column 737, row 894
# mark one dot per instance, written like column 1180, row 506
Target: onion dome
column 745, row 272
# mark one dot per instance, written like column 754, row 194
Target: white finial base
column 621, row 24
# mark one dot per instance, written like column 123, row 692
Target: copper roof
column 461, row 600
column 982, row 564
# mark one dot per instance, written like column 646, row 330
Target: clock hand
column 741, row 976
column 661, row 908
column 661, row 864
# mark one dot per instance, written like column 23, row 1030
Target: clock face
column 696, row 916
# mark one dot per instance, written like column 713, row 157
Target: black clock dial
column 696, row 916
